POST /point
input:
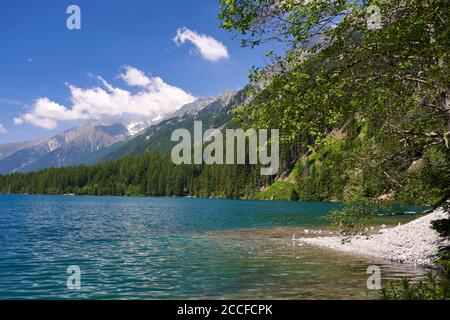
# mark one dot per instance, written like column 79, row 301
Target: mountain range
column 102, row 140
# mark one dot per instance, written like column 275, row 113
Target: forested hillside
column 372, row 104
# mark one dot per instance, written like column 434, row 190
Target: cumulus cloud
column 135, row 77
column 153, row 99
column 46, row 114
column 3, row 130
column 208, row 47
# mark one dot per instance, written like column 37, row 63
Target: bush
column 428, row 289
column 352, row 220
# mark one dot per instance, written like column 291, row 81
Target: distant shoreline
column 423, row 208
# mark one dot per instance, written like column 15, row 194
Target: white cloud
column 3, row 130
column 154, row 99
column 30, row 60
column 46, row 114
column 135, row 77
column 208, row 47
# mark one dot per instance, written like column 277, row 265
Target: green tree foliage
column 352, row 219
column 387, row 89
column 294, row 195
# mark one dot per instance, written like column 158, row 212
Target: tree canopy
column 393, row 80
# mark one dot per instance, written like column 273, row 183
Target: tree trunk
column 447, row 116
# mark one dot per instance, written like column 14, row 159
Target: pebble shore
column 414, row 242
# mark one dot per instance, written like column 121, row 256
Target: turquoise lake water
column 172, row 248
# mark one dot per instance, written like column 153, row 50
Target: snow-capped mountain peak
column 136, row 127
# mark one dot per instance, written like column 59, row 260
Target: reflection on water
column 161, row 248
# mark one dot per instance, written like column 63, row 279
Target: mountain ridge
column 212, row 112
column 85, row 144
column 101, row 140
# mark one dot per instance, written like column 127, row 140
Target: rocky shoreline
column 414, row 242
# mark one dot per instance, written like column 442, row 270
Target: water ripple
column 159, row 248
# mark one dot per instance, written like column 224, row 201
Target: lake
column 174, row 248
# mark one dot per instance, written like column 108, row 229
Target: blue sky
column 40, row 59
